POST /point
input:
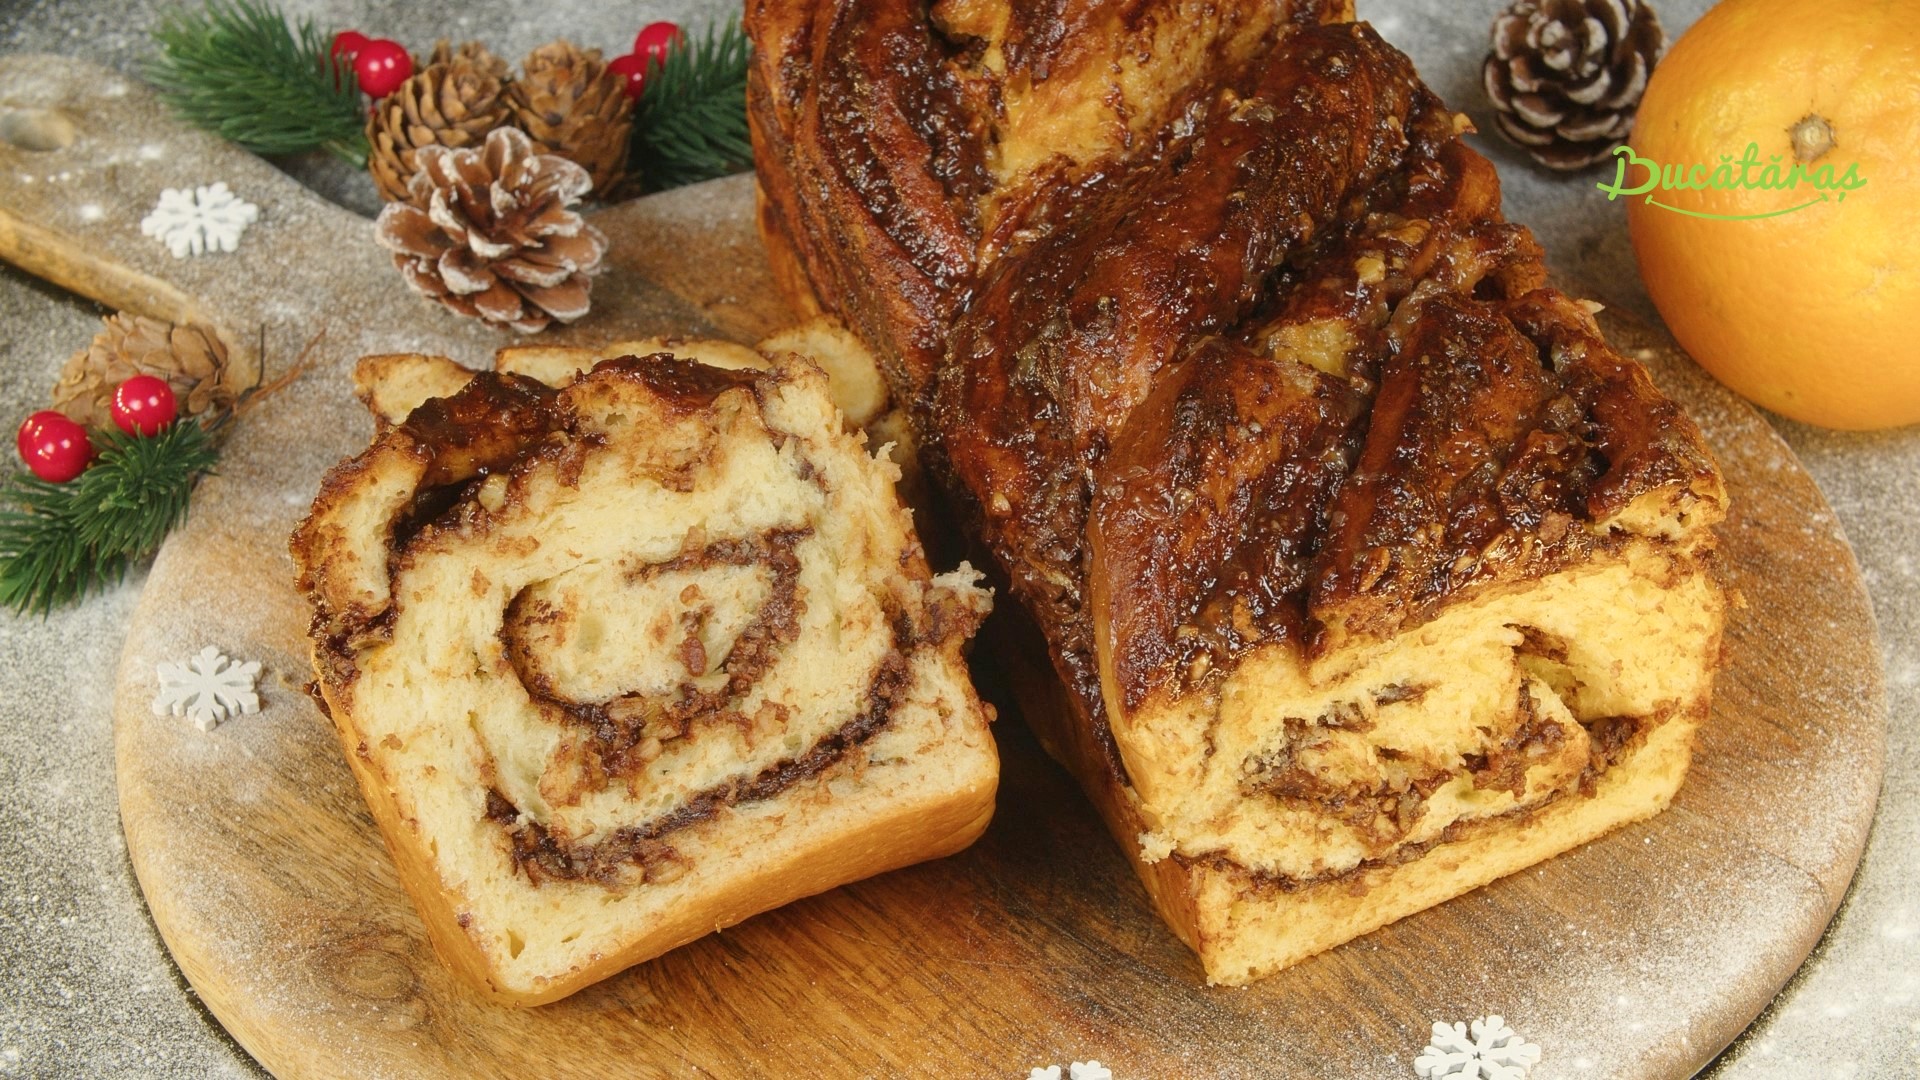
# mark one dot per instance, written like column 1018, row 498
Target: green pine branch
column 237, row 69
column 59, row 542
column 691, row 121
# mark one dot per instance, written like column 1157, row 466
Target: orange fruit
column 1814, row 309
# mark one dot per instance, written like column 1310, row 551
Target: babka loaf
column 624, row 662
column 1370, row 573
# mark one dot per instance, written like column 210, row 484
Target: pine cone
column 1565, row 76
column 192, row 359
column 571, row 105
column 472, row 51
column 488, row 233
column 451, row 103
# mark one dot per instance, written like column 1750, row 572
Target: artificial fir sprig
column 236, row 68
column 59, row 542
column 691, row 121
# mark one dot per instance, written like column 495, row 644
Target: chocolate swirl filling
column 641, row 852
column 625, row 733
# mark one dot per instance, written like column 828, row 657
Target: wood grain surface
column 1637, row 956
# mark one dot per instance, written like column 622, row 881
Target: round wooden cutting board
column 1637, row 956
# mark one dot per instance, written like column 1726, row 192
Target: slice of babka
column 628, row 661
column 1369, row 571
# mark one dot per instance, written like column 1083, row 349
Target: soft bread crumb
column 741, row 545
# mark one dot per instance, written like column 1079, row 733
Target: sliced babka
column 625, row 662
column 1370, row 572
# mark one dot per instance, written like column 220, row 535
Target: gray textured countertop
column 86, row 987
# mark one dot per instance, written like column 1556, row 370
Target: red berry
column 55, row 448
column 143, row 405
column 30, row 432
column 346, row 46
column 382, row 65
column 348, row 43
column 655, row 40
column 633, row 68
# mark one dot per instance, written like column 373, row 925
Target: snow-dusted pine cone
column 489, row 233
column 571, row 105
column 1565, row 76
column 192, row 359
column 452, row 102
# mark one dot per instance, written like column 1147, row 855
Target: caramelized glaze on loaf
column 925, row 136
column 1263, row 409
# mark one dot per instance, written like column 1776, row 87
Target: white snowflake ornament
column 1495, row 1052
column 207, row 689
column 207, row 218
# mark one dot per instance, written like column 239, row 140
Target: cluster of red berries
column 650, row 48
column 382, row 64
column 57, row 449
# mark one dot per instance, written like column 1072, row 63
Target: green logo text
column 1747, row 173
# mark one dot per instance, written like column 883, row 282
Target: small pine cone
column 571, row 105
column 489, row 233
column 471, row 51
column 192, row 359
column 1565, row 76
column 452, row 104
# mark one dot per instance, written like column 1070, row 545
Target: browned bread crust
column 1335, row 521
